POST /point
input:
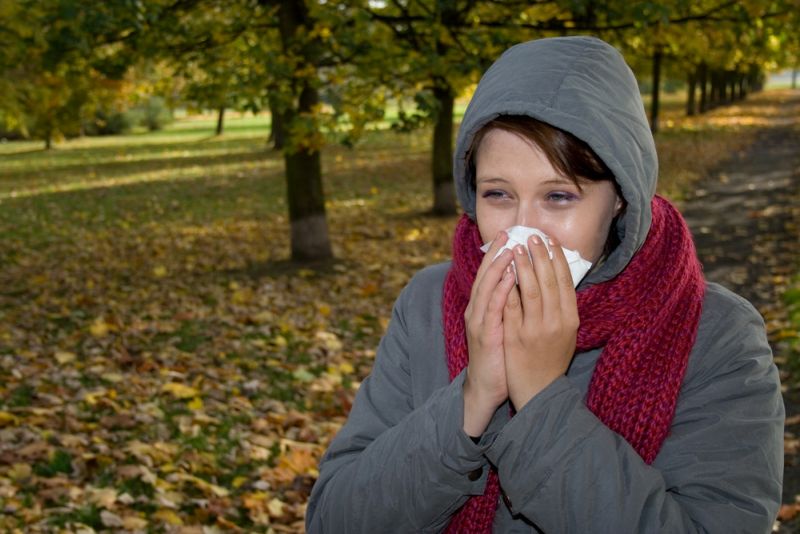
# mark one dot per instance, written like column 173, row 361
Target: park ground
column 164, row 368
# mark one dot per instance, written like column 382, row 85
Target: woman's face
column 517, row 185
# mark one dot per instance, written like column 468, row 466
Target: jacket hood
column 581, row 85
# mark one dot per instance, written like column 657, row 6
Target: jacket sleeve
column 396, row 467
column 719, row 471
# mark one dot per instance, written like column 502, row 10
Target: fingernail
column 550, row 240
column 520, row 250
column 536, row 240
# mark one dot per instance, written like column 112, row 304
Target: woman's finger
column 488, row 260
column 498, row 299
column 545, row 272
column 529, row 290
column 487, row 287
column 566, row 287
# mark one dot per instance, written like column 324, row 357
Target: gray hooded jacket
column 402, row 462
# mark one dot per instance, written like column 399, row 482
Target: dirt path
column 745, row 219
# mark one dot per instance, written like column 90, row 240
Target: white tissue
column 518, row 235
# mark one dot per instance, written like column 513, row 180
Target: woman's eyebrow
column 558, row 180
column 493, row 180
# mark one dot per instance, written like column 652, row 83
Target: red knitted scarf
column 645, row 319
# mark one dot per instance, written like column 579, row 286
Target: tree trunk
column 691, row 93
column 702, row 76
column 794, row 77
column 654, row 103
column 309, row 226
column 714, row 95
column 220, row 120
column 730, row 79
column 48, row 134
column 277, row 133
column 444, row 198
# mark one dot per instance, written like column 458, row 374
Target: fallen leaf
column 111, row 520
column 168, row 516
column 788, row 512
column 63, row 356
column 99, row 328
column 275, row 507
column 7, row 418
column 179, row 391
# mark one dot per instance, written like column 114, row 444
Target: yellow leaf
column 113, row 377
column 103, row 497
column 324, row 309
column 99, row 327
column 294, row 462
column 275, row 507
column 7, row 419
column 63, row 356
column 195, row 404
column 329, row 340
column 242, row 296
column 373, row 190
column 279, row 341
column 91, row 397
column 262, row 317
column 413, row 235
column 346, row 368
column 201, row 484
column 19, row 472
column 179, row 391
column 134, row 523
column 159, row 271
column 168, row 516
column 238, row 482
column 255, row 500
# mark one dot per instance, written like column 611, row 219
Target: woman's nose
column 526, row 216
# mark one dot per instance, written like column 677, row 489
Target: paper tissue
column 518, row 235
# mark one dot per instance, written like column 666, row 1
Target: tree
column 294, row 51
column 440, row 47
column 58, row 63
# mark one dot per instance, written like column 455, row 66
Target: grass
column 152, row 332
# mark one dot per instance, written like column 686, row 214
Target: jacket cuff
column 541, row 437
column 465, row 458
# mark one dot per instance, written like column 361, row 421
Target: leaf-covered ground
column 162, row 366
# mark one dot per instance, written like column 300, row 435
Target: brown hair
column 567, row 154
column 570, row 156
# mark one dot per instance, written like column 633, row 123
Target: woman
column 647, row 401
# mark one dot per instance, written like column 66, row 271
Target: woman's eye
column 560, row 196
column 494, row 193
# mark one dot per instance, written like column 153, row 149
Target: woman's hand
column 540, row 321
column 485, row 385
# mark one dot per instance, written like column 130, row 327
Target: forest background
column 189, row 301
